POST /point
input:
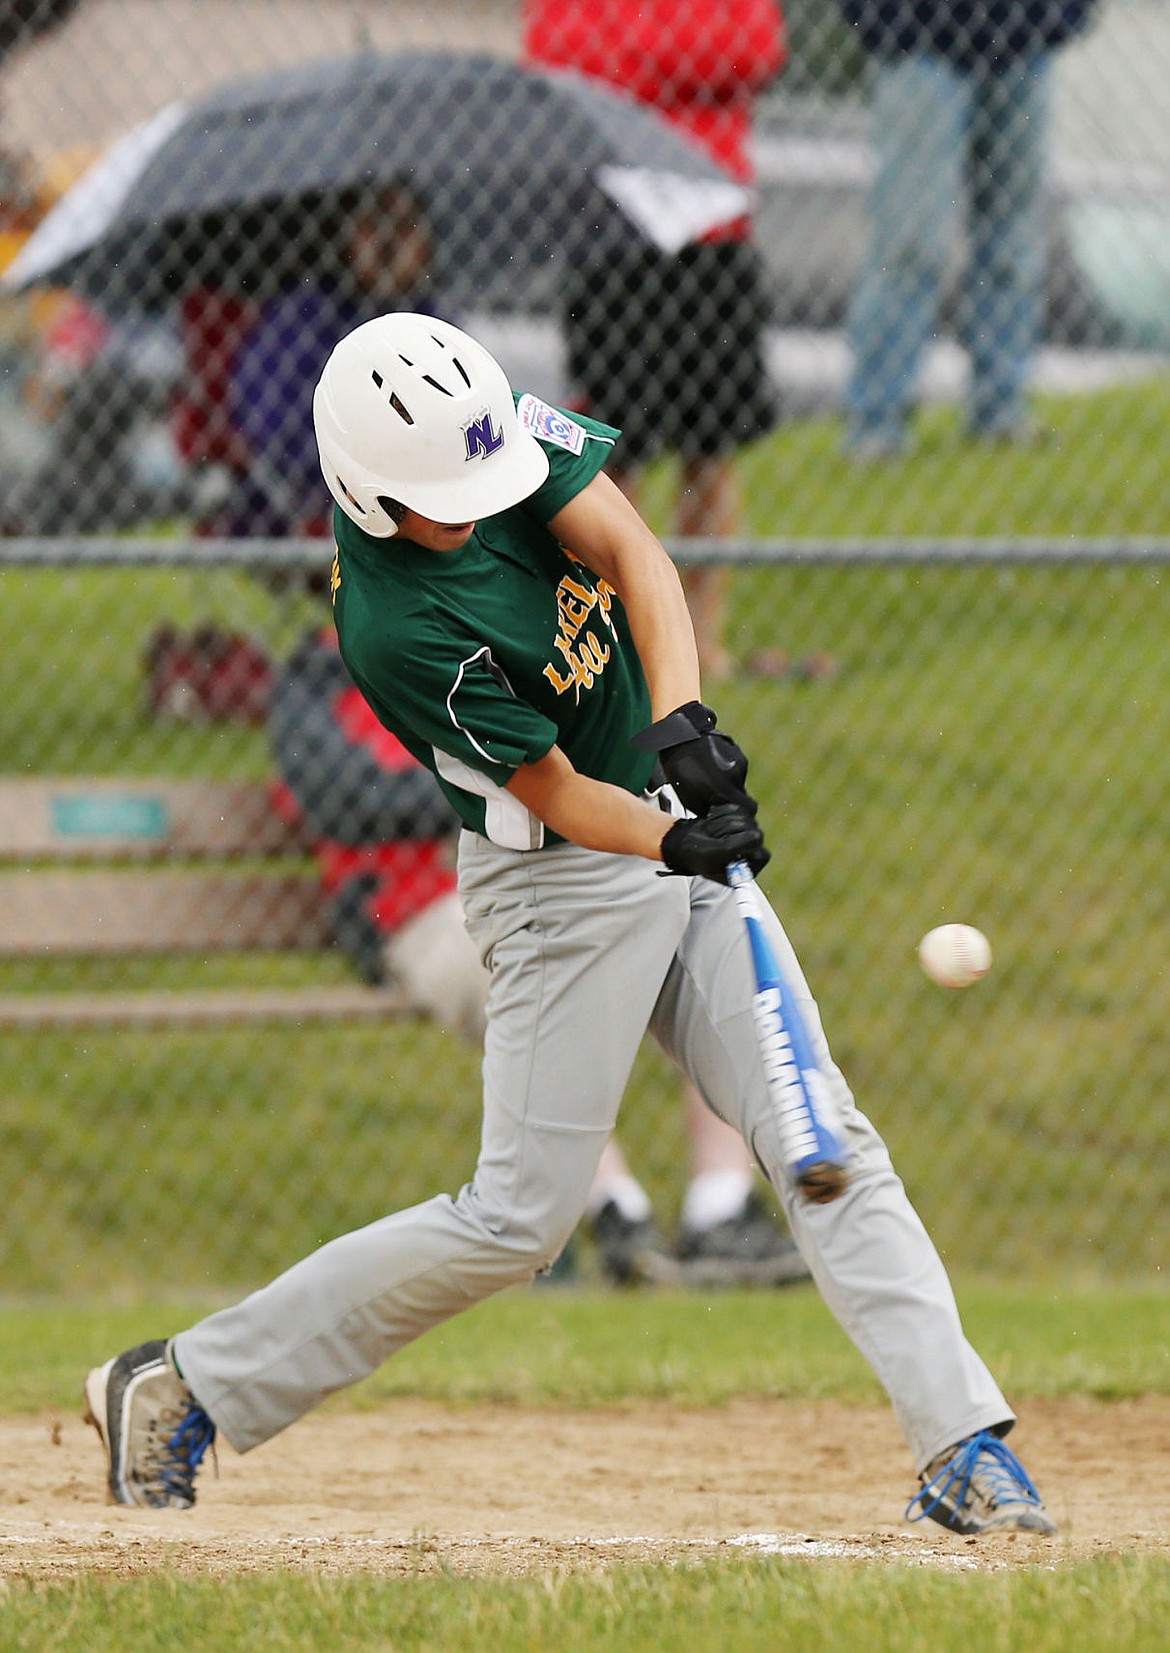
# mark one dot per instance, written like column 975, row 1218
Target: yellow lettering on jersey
column 335, row 576
column 579, row 663
column 561, row 684
column 573, row 613
column 585, row 659
column 596, row 653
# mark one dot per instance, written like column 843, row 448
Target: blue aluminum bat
column 815, row 1154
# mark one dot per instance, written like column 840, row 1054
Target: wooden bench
column 92, row 868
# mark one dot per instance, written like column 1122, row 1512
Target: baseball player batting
column 509, row 616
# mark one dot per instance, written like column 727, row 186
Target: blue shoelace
column 185, row 1451
column 1005, row 1477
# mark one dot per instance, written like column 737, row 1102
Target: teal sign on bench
column 109, row 815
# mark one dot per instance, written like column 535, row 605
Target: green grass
column 215, row 1158
column 1097, row 474
column 551, row 1346
column 752, row 1606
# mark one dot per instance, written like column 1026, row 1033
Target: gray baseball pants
column 588, row 951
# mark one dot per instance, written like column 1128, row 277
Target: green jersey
column 483, row 659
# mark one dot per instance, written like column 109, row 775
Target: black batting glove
column 704, row 765
column 704, row 846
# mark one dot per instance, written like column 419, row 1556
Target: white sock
column 627, row 1194
column 713, row 1197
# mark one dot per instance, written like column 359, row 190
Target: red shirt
column 701, row 62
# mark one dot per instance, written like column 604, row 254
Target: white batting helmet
column 412, row 410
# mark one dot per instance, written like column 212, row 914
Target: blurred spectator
column 253, row 347
column 254, row 355
column 382, row 831
column 97, row 392
column 18, row 217
column 961, row 95
column 24, row 317
column 727, row 1235
column 17, row 221
column 669, row 347
column 87, row 441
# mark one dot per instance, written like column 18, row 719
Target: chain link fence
column 938, row 634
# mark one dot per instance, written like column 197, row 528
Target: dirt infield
column 415, row 1487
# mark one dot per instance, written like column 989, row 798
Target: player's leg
column 564, row 1025
column 869, row 1252
column 709, row 508
column 919, row 121
column 1000, row 315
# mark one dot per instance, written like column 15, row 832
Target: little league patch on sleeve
column 549, row 424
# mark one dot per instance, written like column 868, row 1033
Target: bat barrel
column 816, row 1156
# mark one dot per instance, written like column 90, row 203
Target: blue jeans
column 946, row 136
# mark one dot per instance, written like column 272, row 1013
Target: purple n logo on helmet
column 481, row 436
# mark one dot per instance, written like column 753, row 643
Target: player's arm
column 599, row 816
column 603, row 529
column 591, row 813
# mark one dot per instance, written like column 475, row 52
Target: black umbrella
column 517, row 170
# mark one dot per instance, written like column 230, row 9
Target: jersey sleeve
column 457, row 701
column 577, row 448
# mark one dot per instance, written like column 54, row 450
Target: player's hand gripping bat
column 815, row 1154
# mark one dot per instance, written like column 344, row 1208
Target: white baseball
column 955, row 955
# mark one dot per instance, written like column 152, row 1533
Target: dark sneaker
column 154, row 1432
column 630, row 1253
column 751, row 1249
column 980, row 1486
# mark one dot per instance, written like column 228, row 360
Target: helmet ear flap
column 395, row 510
